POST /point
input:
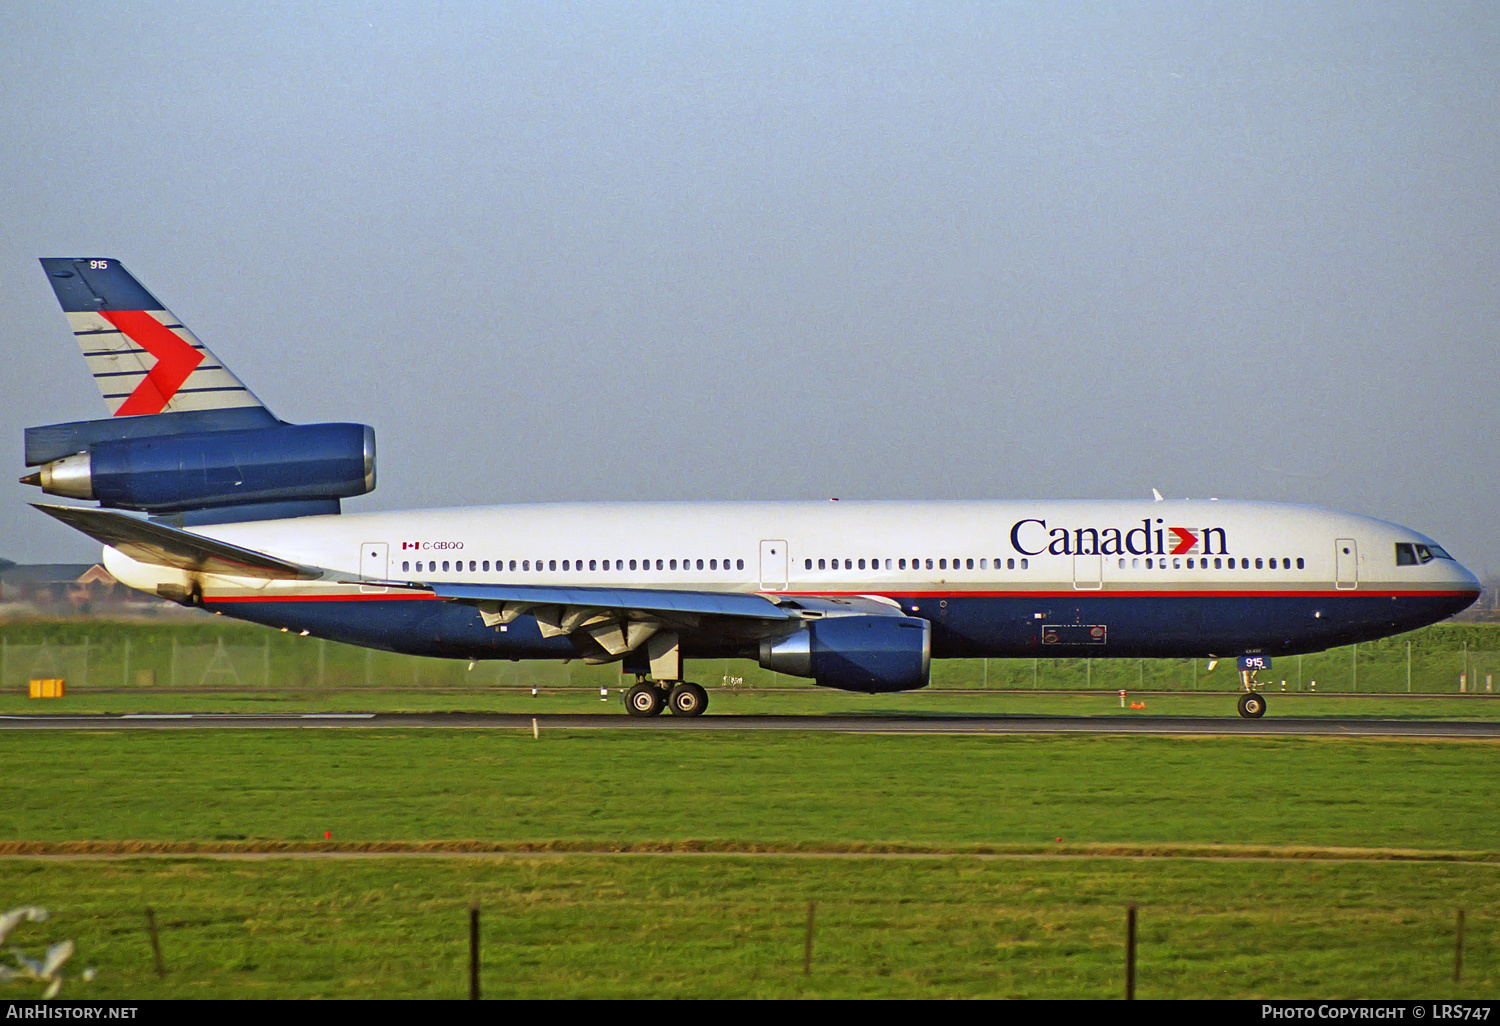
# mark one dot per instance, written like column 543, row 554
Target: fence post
column 161, row 966
column 1130, row 953
column 474, row 950
column 1458, row 948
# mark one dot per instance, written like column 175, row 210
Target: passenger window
column 1024, row 563
column 739, row 564
column 713, row 564
column 1259, row 563
column 700, row 564
column 1299, row 562
column 1177, row 564
column 673, row 564
column 1010, row 564
column 659, row 565
column 632, row 564
column 929, row 563
column 445, row 566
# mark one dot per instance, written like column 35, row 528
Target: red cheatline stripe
column 175, row 361
column 1106, row 593
column 407, row 596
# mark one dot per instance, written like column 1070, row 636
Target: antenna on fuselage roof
column 1156, row 495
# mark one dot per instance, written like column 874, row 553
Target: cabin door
column 1346, row 564
column 374, row 564
column 773, row 565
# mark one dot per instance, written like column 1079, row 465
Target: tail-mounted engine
column 204, row 466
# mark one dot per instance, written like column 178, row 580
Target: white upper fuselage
column 884, row 547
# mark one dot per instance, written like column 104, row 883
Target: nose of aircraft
column 1466, row 587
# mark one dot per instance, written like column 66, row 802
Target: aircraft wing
column 619, row 620
column 167, row 546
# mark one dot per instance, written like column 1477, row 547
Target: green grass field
column 682, row 864
column 735, row 926
column 940, row 866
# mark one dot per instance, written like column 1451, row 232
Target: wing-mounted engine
column 869, row 653
column 204, row 466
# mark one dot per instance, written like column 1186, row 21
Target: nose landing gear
column 1252, row 703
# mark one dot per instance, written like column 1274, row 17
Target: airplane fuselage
column 994, row 579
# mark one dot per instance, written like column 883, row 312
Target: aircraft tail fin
column 143, row 358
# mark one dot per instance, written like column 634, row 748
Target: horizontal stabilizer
column 166, row 546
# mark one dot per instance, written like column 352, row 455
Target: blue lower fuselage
column 1057, row 624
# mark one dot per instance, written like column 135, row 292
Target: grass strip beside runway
column 783, row 788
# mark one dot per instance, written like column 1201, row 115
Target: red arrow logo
column 1185, row 541
column 175, row 360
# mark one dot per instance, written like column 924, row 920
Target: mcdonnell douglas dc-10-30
column 208, row 499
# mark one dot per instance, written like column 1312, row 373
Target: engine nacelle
column 207, row 469
column 856, row 653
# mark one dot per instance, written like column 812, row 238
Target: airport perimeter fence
column 1445, row 659
column 526, row 944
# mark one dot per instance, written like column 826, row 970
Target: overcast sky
column 654, row 251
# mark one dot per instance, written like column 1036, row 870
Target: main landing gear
column 650, row 697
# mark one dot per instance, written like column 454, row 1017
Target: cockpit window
column 1406, row 554
column 1435, row 550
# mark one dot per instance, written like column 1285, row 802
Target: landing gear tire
column 1252, row 706
column 644, row 700
column 687, row 700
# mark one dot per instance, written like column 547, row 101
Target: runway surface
column 904, row 724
